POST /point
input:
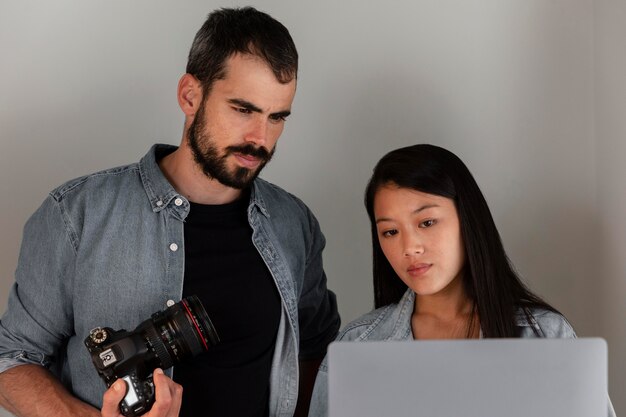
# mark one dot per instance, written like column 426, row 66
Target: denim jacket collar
column 160, row 192
column 407, row 302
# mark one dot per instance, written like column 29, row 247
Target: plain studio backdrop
column 529, row 93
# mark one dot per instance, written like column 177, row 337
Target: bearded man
column 113, row 247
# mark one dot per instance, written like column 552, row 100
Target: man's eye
column 427, row 223
column 243, row 110
column 278, row 118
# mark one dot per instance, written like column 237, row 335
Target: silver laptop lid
column 469, row 378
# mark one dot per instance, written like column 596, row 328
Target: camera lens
column 181, row 331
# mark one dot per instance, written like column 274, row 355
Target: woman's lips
column 418, row 269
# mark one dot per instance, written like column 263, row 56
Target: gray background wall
column 529, row 93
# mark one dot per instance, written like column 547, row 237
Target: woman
column 440, row 270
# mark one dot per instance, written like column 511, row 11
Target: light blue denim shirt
column 393, row 322
column 107, row 249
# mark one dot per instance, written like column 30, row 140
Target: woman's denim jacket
column 107, row 250
column 393, row 322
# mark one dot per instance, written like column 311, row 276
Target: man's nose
column 258, row 131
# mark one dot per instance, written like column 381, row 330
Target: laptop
column 469, row 378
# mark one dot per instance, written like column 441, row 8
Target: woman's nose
column 413, row 245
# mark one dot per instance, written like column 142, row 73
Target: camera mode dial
column 98, row 335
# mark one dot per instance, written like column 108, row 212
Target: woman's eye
column 427, row 223
column 389, row 233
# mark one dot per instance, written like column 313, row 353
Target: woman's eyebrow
column 416, row 211
column 425, row 207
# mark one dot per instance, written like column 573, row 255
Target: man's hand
column 168, row 397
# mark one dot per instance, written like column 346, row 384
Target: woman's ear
column 189, row 94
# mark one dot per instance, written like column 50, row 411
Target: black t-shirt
column 225, row 270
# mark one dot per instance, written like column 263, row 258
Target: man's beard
column 214, row 166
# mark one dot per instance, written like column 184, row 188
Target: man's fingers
column 177, row 400
column 162, row 394
column 111, row 399
column 168, row 396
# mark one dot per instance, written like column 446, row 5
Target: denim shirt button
column 178, row 202
column 170, row 303
column 173, row 247
column 159, row 203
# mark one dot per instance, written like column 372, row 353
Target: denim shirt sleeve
column 548, row 324
column 317, row 308
column 552, row 325
column 319, row 399
column 37, row 321
column 373, row 323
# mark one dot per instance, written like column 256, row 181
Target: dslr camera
column 177, row 333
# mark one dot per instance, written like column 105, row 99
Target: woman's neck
column 449, row 314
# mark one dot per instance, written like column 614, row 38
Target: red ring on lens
column 195, row 324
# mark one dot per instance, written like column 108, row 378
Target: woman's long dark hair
column 489, row 279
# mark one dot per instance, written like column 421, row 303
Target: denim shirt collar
column 407, row 303
column 161, row 194
column 256, row 200
column 158, row 189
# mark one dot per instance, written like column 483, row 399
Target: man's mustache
column 260, row 152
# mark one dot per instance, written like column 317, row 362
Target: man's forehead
column 249, row 78
column 241, row 62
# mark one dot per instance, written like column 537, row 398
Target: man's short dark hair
column 241, row 30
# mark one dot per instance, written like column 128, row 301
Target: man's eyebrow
column 249, row 106
column 280, row 114
column 245, row 104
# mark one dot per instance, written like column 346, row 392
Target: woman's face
column 420, row 235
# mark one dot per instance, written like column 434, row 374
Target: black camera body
column 182, row 331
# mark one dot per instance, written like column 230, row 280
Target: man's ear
column 189, row 94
